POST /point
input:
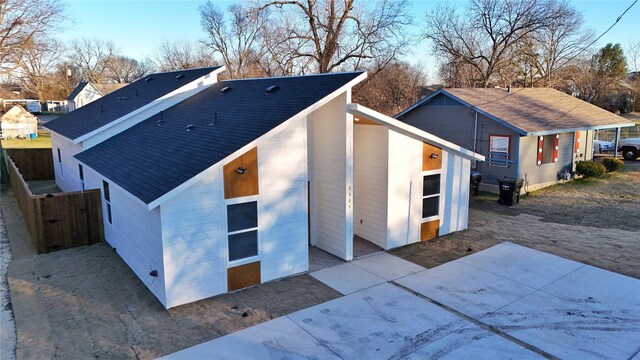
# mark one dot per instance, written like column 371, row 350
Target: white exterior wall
column 282, row 203
column 195, row 242
column 135, row 232
column 454, row 193
column 194, row 228
column 87, row 95
column 67, row 175
column 332, row 185
column 405, row 190
column 151, row 109
column 371, row 183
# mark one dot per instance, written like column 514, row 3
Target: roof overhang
column 580, row 128
column 411, row 131
column 145, row 107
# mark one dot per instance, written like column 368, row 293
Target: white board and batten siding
column 454, row 193
column 282, row 204
column 194, row 228
column 135, row 232
column 66, row 172
column 194, row 241
column 404, row 210
column 332, row 178
column 371, row 183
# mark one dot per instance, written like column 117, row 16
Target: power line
column 601, row 35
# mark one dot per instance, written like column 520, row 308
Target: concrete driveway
column 506, row 302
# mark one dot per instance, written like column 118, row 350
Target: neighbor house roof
column 77, row 90
column 122, row 102
column 106, row 88
column 360, row 111
column 531, row 111
column 161, row 153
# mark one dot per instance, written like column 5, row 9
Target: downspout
column 573, row 153
column 615, row 146
column 475, row 140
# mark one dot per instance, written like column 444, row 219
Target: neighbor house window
column 242, row 228
column 107, row 199
column 60, row 163
column 548, row 149
column 81, row 173
column 499, row 150
column 430, row 196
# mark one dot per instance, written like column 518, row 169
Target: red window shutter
column 555, row 148
column 540, row 143
column 577, row 141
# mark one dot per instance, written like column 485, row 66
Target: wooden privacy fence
column 34, row 164
column 60, row 220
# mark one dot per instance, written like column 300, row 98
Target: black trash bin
column 476, row 177
column 510, row 190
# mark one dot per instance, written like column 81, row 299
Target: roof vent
column 215, row 119
column 272, row 89
column 101, row 110
column 148, row 79
column 225, row 90
column 180, row 76
column 136, row 93
column 160, row 122
column 190, row 127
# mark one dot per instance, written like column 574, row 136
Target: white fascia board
column 583, row 128
column 411, row 131
column 155, row 102
column 157, row 202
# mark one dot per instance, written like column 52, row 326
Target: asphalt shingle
column 157, row 155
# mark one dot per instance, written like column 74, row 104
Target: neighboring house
column 537, row 134
column 87, row 126
column 87, row 92
column 228, row 188
column 18, row 123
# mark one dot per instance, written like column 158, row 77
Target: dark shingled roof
column 122, row 101
column 159, row 154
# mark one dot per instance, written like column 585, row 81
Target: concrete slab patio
column 506, row 302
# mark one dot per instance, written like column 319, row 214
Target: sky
column 137, row 27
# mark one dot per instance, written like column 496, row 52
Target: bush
column 612, row 164
column 590, row 169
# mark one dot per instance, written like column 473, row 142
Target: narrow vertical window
column 430, row 196
column 242, row 227
column 60, row 163
column 81, row 173
column 107, row 199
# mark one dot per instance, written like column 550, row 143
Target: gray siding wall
column 451, row 121
column 545, row 173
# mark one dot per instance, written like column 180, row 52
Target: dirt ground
column 86, row 303
column 611, row 202
column 596, row 222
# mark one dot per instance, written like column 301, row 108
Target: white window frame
column 439, row 194
column 235, row 201
column 107, row 202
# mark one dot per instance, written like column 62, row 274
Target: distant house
column 87, row 92
column 18, row 123
column 537, row 134
column 229, row 187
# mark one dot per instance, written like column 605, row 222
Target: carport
column 508, row 301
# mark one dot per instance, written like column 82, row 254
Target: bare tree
column 121, row 69
column 21, row 23
column 633, row 56
column 179, row 55
column 38, row 62
column 392, row 89
column 328, row 35
column 238, row 40
column 89, row 56
column 486, row 35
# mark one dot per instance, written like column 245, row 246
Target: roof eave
column 580, row 128
column 411, row 131
column 418, row 104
